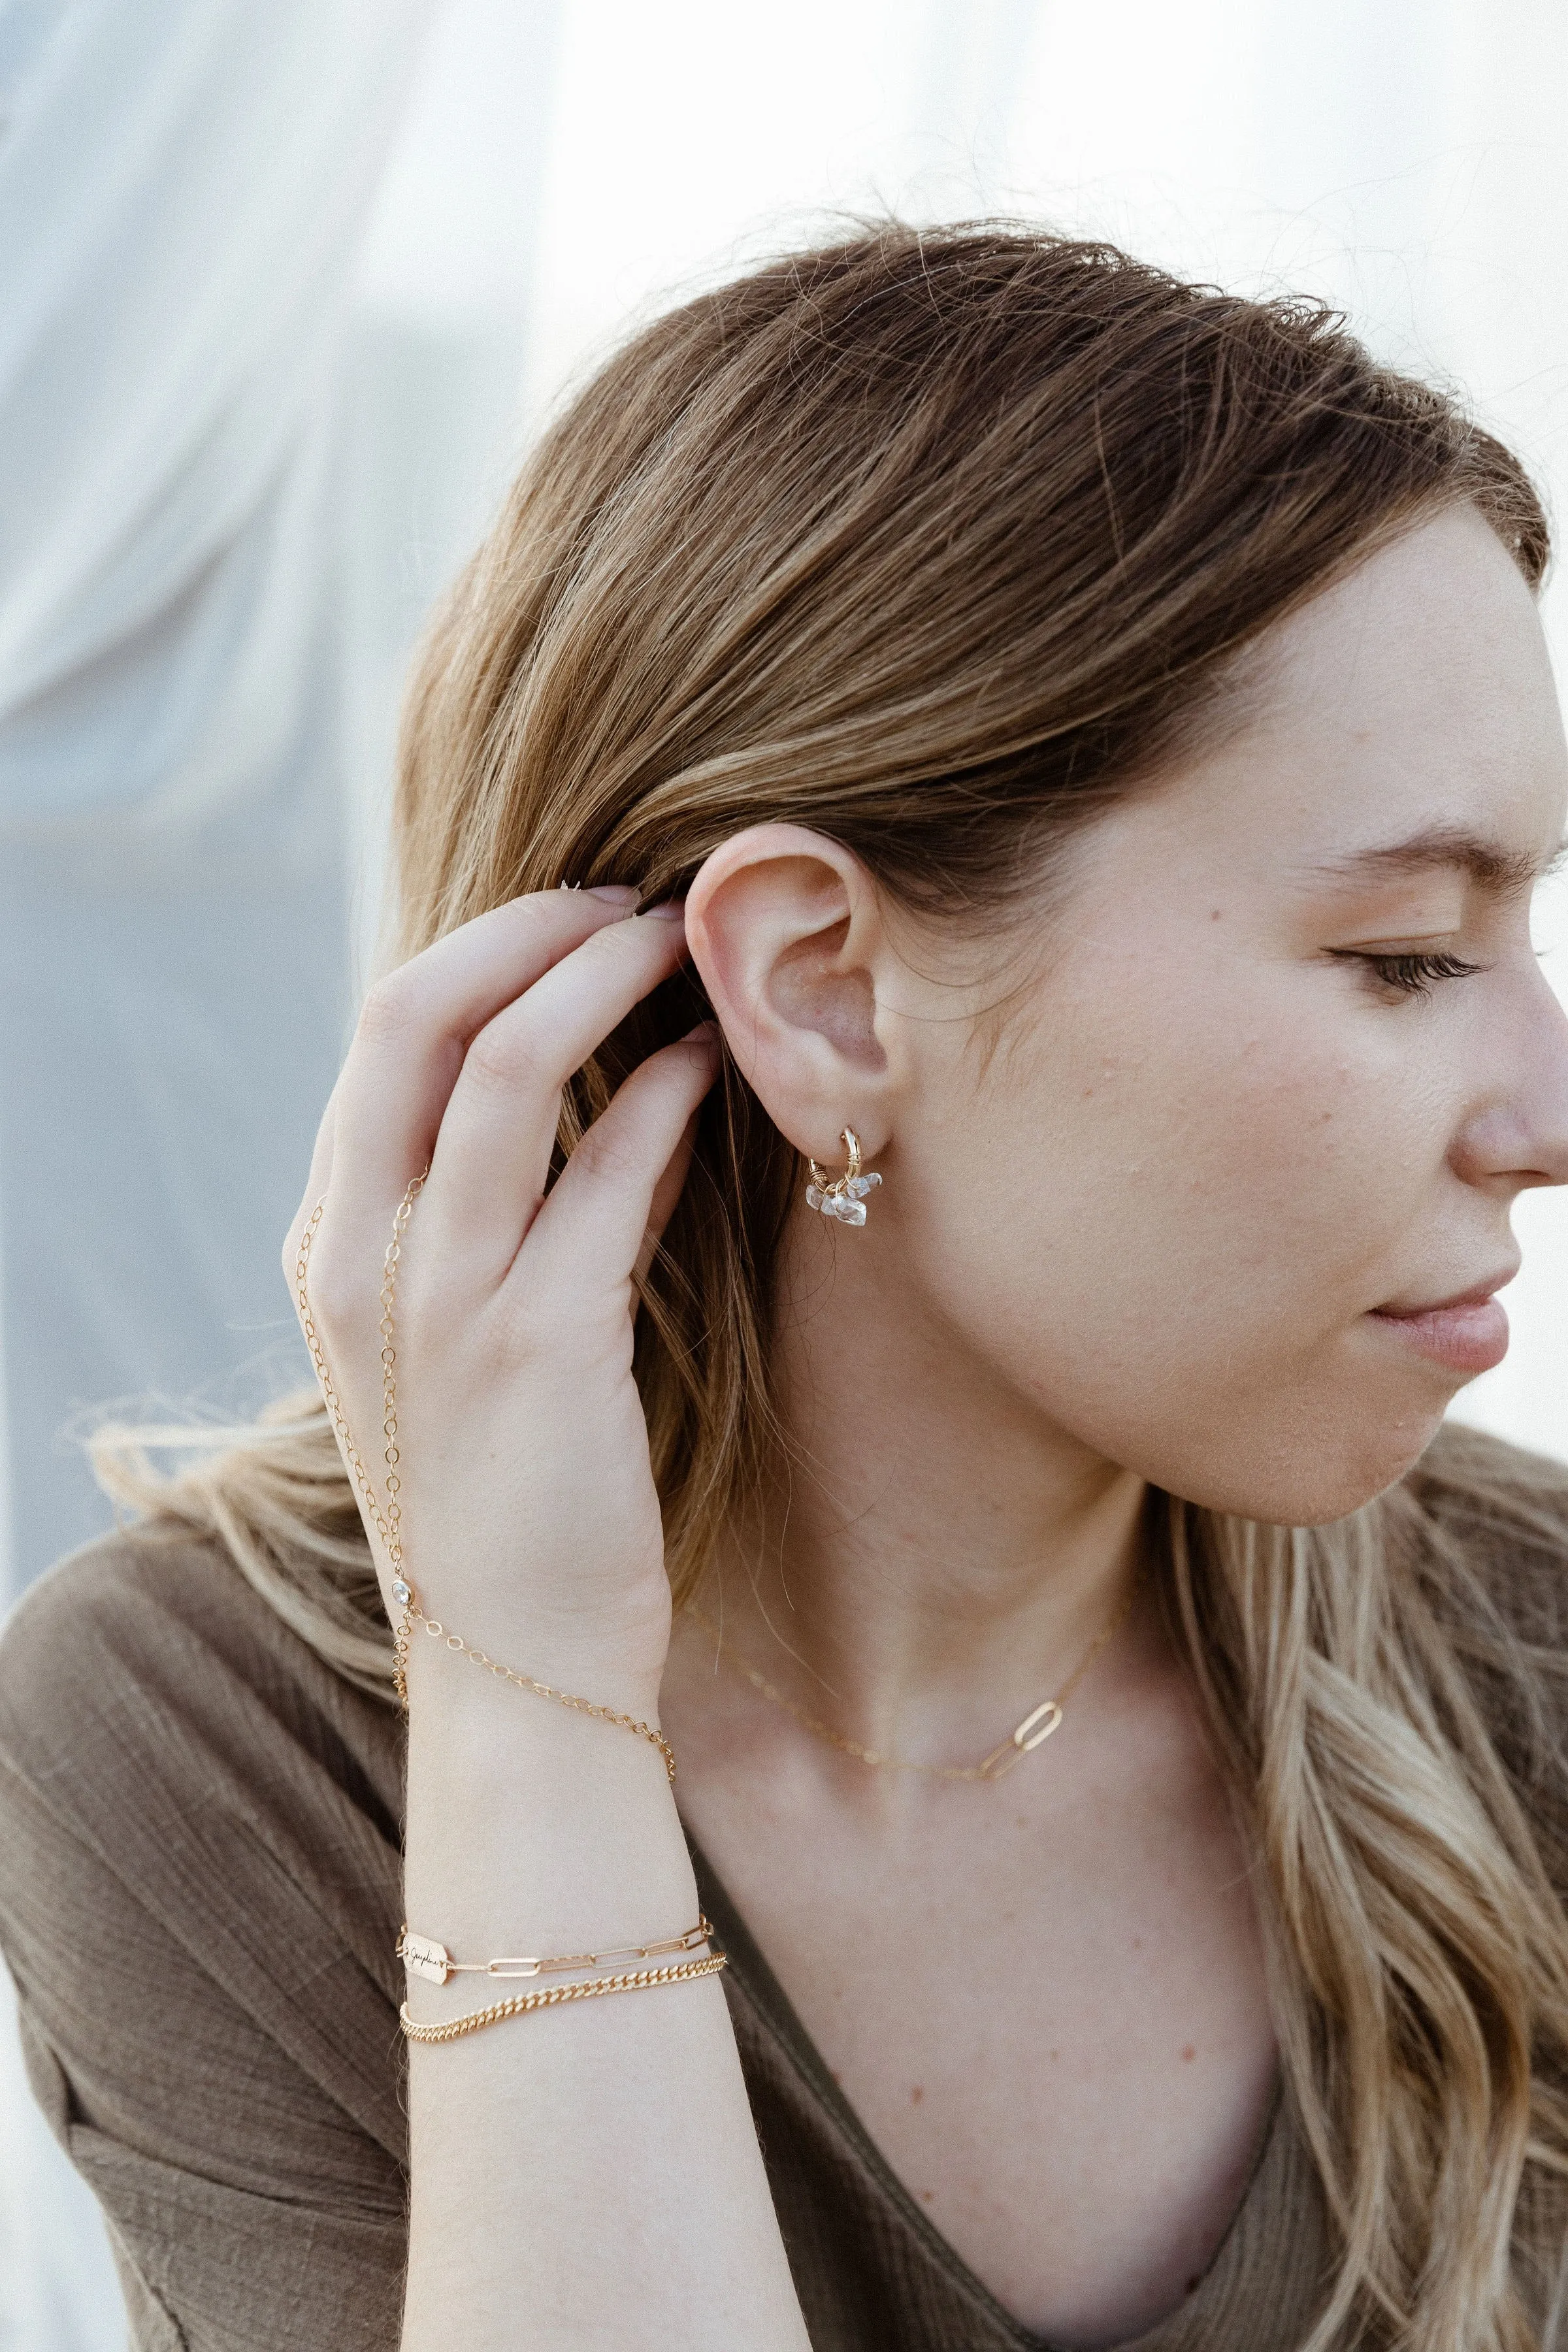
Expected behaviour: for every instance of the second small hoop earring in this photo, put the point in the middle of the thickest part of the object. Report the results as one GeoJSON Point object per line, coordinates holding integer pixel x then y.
{"type": "Point", "coordinates": [842, 1198]}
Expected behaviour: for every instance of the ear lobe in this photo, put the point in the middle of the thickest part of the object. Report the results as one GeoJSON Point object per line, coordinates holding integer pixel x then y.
{"type": "Point", "coordinates": [785, 931]}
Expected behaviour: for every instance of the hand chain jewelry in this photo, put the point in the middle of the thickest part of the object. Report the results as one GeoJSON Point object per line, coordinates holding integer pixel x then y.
{"type": "Point", "coordinates": [1021, 1740]}
{"type": "Point", "coordinates": [388, 1523]}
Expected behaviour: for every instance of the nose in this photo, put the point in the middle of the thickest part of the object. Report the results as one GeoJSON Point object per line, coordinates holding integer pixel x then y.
{"type": "Point", "coordinates": [1517, 1138]}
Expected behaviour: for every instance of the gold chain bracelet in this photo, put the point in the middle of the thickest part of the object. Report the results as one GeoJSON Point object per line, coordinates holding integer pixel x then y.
{"type": "Point", "coordinates": [421, 1956]}
{"type": "Point", "coordinates": [388, 1524]}
{"type": "Point", "coordinates": [552, 1996]}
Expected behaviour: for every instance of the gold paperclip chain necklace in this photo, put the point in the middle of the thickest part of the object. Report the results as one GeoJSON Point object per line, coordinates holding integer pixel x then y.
{"type": "Point", "coordinates": [1032, 1732]}
{"type": "Point", "coordinates": [388, 1523]}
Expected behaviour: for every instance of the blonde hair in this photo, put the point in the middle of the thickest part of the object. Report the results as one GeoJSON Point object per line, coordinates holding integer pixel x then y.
{"type": "Point", "coordinates": [937, 543]}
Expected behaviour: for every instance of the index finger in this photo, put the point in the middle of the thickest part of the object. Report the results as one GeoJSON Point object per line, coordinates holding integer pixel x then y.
{"type": "Point", "coordinates": [416, 1025]}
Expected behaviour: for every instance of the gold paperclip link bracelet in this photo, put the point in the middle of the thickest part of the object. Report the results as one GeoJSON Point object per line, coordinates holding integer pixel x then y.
{"type": "Point", "coordinates": [421, 1956]}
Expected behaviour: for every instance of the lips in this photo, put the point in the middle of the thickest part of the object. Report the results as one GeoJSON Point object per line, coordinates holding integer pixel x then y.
{"type": "Point", "coordinates": [1467, 1332]}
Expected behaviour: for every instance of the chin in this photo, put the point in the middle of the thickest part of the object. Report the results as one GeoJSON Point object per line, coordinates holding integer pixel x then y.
{"type": "Point", "coordinates": [1318, 1473]}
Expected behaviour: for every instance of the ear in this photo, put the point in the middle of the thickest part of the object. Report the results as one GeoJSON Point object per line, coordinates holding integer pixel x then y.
{"type": "Point", "coordinates": [786, 929]}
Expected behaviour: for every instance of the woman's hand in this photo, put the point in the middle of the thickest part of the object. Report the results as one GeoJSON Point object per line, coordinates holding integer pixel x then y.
{"type": "Point", "coordinates": [530, 1521]}
{"type": "Point", "coordinates": [593, 2168]}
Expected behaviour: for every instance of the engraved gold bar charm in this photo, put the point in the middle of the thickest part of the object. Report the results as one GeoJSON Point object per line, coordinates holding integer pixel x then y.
{"type": "Point", "coordinates": [423, 1957]}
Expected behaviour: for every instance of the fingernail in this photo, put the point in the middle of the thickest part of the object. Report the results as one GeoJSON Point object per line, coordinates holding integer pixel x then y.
{"type": "Point", "coordinates": [614, 894]}
{"type": "Point", "coordinates": [668, 910]}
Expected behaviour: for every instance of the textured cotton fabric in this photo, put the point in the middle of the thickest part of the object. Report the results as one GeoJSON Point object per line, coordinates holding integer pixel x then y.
{"type": "Point", "coordinates": [199, 1895]}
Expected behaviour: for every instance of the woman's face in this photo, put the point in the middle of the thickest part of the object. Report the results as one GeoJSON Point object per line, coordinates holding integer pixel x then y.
{"type": "Point", "coordinates": [1286, 1062]}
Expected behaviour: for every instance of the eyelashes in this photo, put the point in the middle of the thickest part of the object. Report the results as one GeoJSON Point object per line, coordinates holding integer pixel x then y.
{"type": "Point", "coordinates": [1409, 975]}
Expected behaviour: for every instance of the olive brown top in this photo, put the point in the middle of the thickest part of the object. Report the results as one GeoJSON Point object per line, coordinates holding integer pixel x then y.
{"type": "Point", "coordinates": [199, 1898]}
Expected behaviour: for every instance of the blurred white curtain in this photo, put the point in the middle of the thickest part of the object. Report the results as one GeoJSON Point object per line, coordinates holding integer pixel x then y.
{"type": "Point", "coordinates": [183, 192]}
{"type": "Point", "coordinates": [184, 188]}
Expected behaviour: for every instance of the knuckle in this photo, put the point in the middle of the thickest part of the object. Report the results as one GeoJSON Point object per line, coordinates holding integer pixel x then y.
{"type": "Point", "coordinates": [387, 1012]}
{"type": "Point", "coordinates": [607, 946]}
{"type": "Point", "coordinates": [503, 1056]}
{"type": "Point", "coordinates": [610, 960]}
{"type": "Point", "coordinates": [608, 1159]}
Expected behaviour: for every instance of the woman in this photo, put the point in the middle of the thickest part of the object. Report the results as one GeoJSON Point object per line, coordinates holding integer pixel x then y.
{"type": "Point", "coordinates": [1084, 745]}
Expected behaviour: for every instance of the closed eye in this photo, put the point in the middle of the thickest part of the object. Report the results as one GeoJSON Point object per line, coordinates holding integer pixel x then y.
{"type": "Point", "coordinates": [1413, 974]}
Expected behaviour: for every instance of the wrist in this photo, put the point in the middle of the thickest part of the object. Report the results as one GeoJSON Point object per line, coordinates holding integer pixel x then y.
{"type": "Point", "coordinates": [452, 1688]}
{"type": "Point", "coordinates": [472, 1731]}
{"type": "Point", "coordinates": [528, 1818]}
{"type": "Point", "coordinates": [452, 1678]}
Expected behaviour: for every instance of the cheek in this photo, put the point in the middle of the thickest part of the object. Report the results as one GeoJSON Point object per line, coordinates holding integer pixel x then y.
{"type": "Point", "coordinates": [1195, 1210]}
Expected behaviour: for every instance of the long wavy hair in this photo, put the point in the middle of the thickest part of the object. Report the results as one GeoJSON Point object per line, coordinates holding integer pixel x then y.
{"type": "Point", "coordinates": [939, 543]}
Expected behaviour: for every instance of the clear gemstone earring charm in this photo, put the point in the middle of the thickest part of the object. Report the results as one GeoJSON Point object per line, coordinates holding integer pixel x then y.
{"type": "Point", "coordinates": [843, 1198]}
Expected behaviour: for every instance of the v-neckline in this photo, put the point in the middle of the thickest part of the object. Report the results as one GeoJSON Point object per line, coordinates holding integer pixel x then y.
{"type": "Point", "coordinates": [777, 2012]}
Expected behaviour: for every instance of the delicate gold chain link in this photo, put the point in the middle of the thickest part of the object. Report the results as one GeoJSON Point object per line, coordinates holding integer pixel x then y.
{"type": "Point", "coordinates": [388, 1520]}
{"type": "Point", "coordinates": [552, 1996]}
{"type": "Point", "coordinates": [424, 1956]}
{"type": "Point", "coordinates": [324, 1375]}
{"type": "Point", "coordinates": [389, 1371]}
{"type": "Point", "coordinates": [1035, 1729]}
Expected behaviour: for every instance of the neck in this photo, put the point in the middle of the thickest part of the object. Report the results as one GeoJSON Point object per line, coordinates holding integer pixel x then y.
{"type": "Point", "coordinates": [933, 1557]}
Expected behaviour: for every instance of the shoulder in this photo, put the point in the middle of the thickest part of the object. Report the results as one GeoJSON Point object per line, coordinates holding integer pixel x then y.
{"type": "Point", "coordinates": [199, 1870]}
{"type": "Point", "coordinates": [149, 1644]}
{"type": "Point", "coordinates": [110, 1611]}
{"type": "Point", "coordinates": [160, 1722]}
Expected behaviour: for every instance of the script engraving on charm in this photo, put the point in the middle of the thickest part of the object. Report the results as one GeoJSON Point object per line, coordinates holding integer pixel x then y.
{"type": "Point", "coordinates": [423, 1957]}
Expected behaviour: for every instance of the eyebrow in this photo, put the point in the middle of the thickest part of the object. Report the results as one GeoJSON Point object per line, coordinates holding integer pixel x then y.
{"type": "Point", "coordinates": [1491, 865]}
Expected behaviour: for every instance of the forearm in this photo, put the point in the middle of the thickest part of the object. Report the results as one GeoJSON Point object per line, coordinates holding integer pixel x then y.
{"type": "Point", "coordinates": [589, 2173]}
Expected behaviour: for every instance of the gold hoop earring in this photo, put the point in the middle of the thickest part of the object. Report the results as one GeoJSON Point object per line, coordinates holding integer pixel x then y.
{"type": "Point", "coordinates": [841, 1197]}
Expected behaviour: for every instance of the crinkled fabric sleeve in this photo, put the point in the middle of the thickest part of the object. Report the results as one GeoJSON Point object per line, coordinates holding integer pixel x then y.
{"type": "Point", "coordinates": [198, 1890]}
